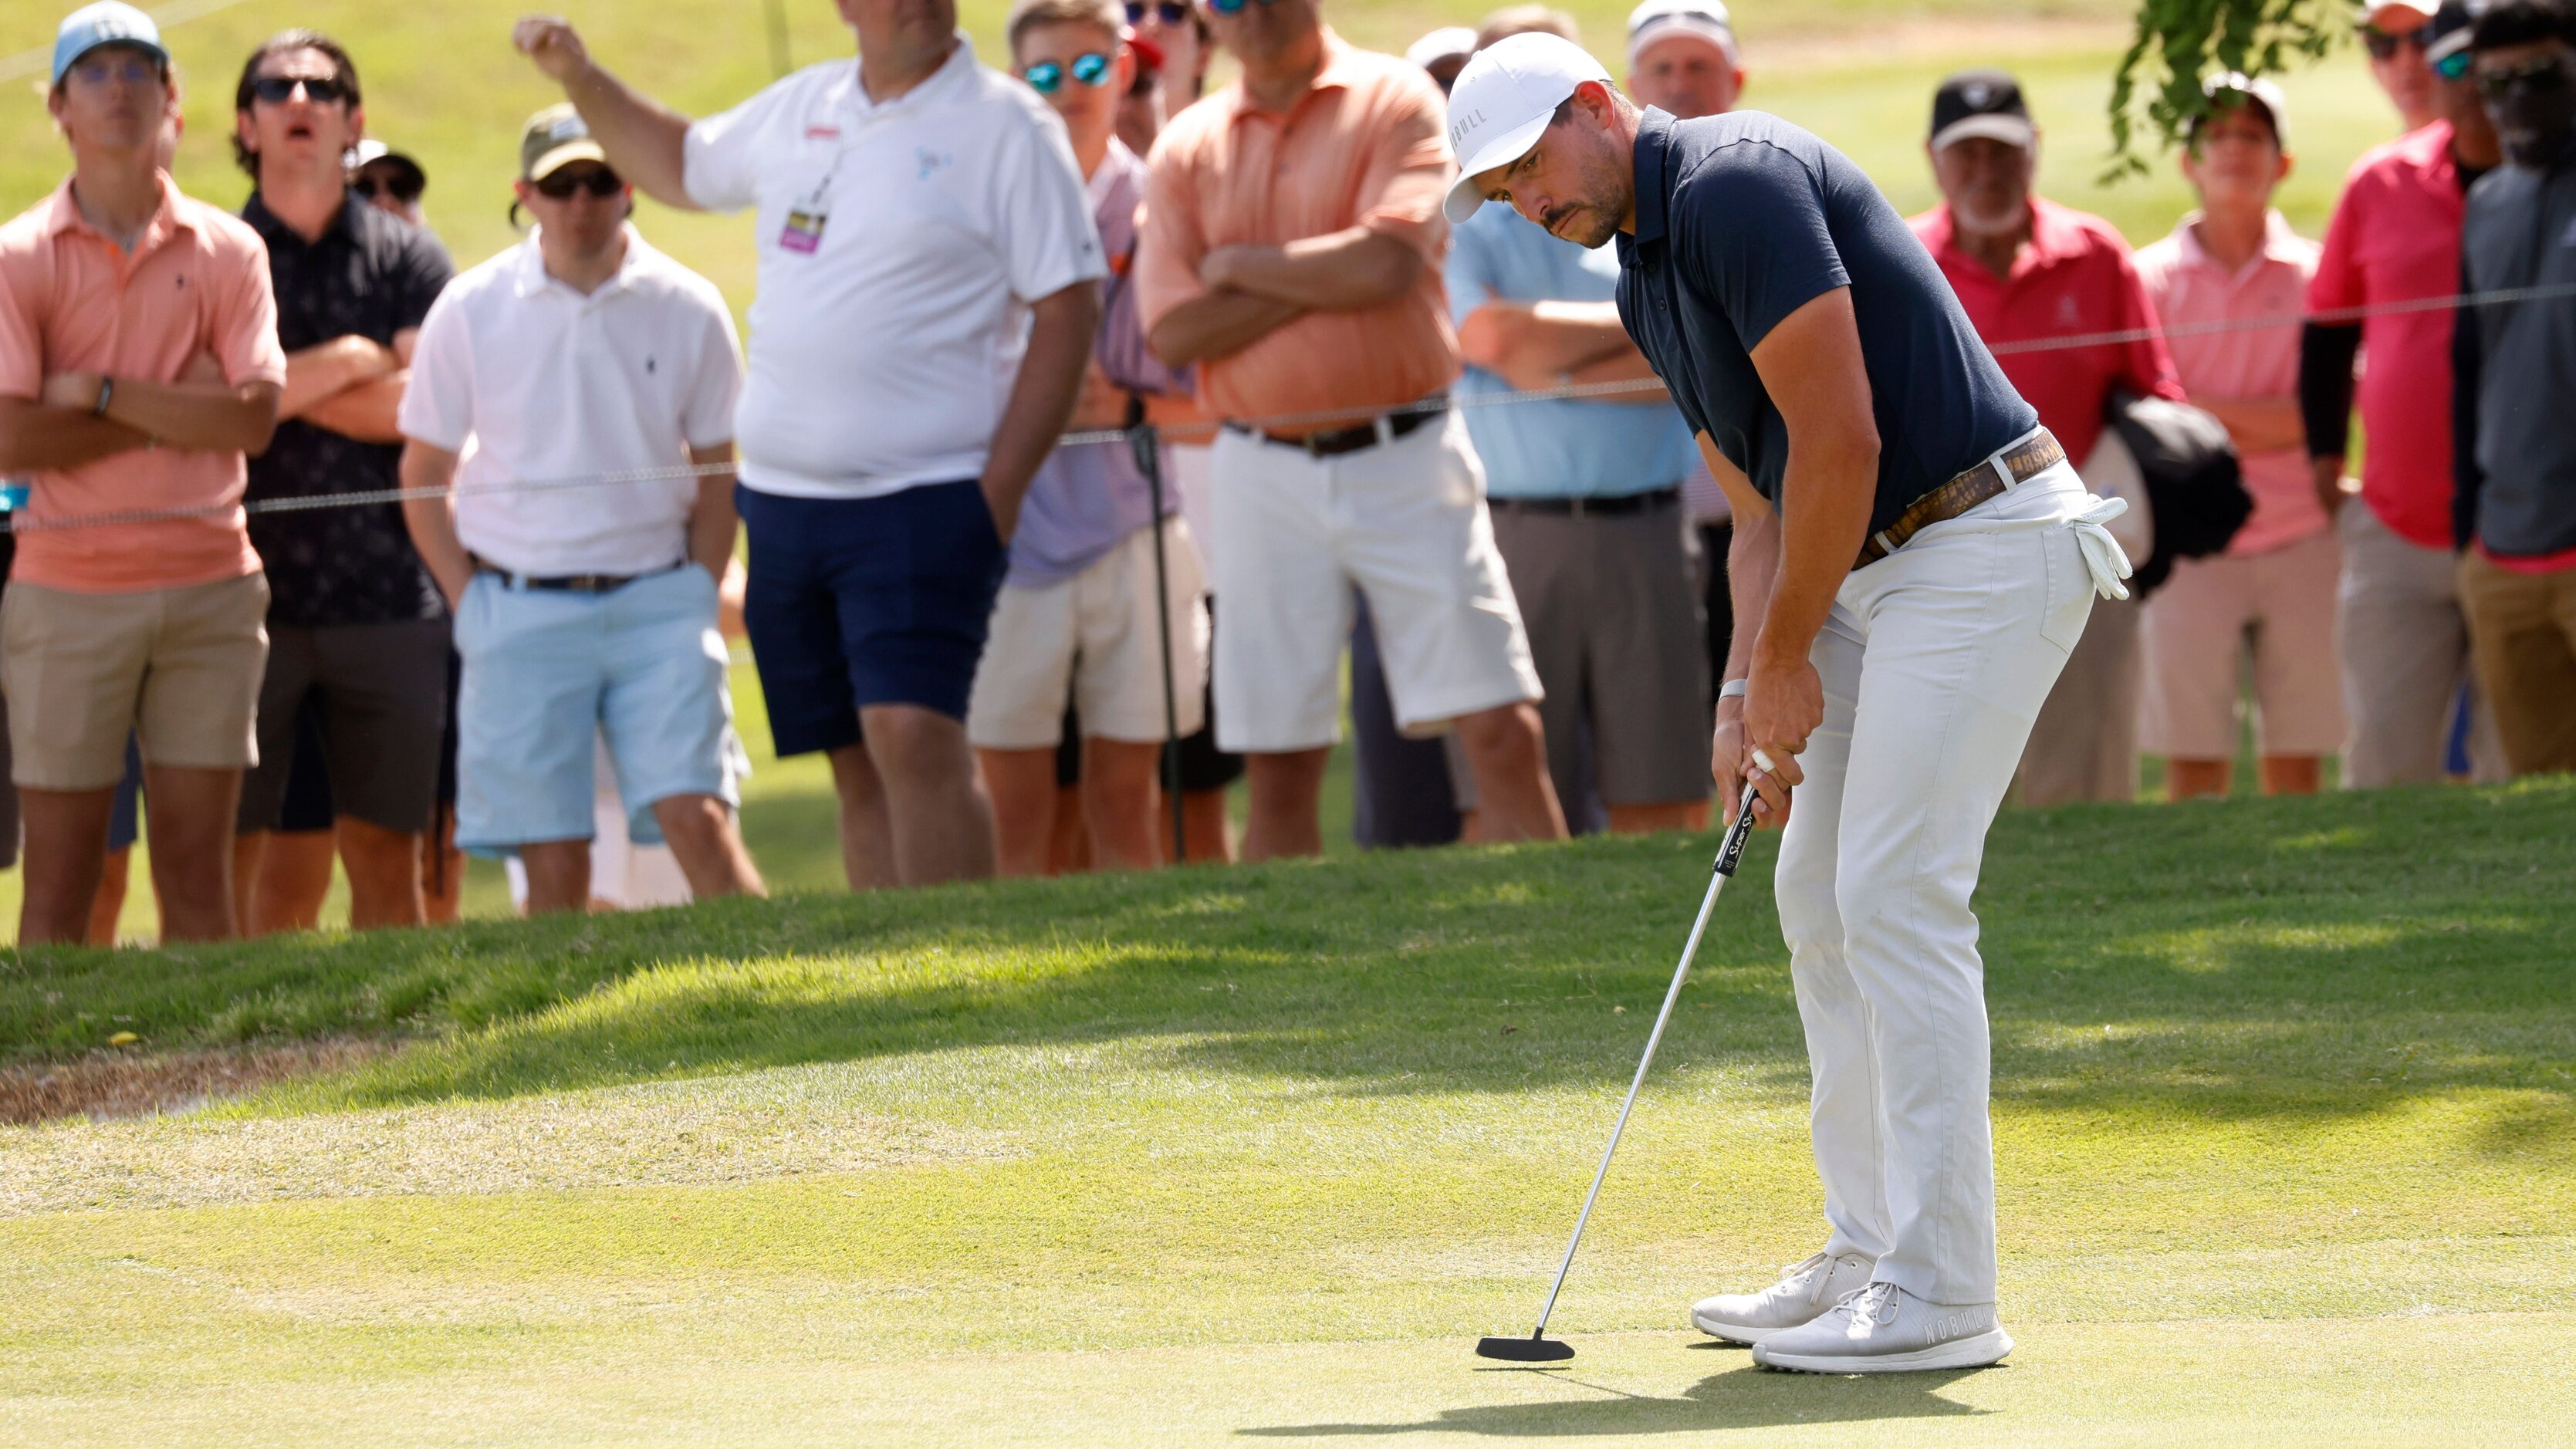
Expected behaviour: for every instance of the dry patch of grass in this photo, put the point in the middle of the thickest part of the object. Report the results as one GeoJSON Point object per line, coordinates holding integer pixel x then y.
{"type": "Point", "coordinates": [659, 1134]}
{"type": "Point", "coordinates": [123, 1082]}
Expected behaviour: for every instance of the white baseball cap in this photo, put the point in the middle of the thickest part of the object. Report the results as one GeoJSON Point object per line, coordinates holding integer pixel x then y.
{"type": "Point", "coordinates": [1656, 21]}
{"type": "Point", "coordinates": [1503, 101]}
{"type": "Point", "coordinates": [2254, 90]}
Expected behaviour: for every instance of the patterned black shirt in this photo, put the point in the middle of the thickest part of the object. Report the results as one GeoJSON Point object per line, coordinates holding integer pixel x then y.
{"type": "Point", "coordinates": [372, 274]}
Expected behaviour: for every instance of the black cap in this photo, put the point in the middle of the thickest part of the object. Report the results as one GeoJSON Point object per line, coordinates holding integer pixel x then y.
{"type": "Point", "coordinates": [1981, 103]}
{"type": "Point", "coordinates": [2447, 31]}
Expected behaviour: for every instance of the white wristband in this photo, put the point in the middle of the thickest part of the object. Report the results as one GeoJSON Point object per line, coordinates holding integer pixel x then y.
{"type": "Point", "coordinates": [1734, 688]}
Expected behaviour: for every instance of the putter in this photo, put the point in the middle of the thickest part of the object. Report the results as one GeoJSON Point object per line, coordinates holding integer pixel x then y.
{"type": "Point", "coordinates": [1147, 444]}
{"type": "Point", "coordinates": [1538, 1347]}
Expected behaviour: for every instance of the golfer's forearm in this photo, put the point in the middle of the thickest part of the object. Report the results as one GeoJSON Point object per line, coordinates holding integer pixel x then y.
{"type": "Point", "coordinates": [646, 141]}
{"type": "Point", "coordinates": [1824, 517]}
{"type": "Point", "coordinates": [1752, 568]}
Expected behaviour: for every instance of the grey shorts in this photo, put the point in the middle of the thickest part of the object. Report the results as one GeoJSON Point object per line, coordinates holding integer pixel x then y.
{"type": "Point", "coordinates": [1616, 631]}
{"type": "Point", "coordinates": [380, 697]}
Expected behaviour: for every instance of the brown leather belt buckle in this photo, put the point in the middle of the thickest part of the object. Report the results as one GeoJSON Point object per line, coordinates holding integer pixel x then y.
{"type": "Point", "coordinates": [2025, 462]}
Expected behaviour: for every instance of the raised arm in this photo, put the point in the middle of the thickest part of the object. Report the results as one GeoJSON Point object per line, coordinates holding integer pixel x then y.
{"type": "Point", "coordinates": [646, 141]}
{"type": "Point", "coordinates": [1811, 365]}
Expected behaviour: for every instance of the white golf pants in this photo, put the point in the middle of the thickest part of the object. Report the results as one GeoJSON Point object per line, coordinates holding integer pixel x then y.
{"type": "Point", "coordinates": [1935, 661]}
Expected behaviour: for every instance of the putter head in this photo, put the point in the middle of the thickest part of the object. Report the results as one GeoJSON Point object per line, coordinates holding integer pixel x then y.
{"type": "Point", "coordinates": [1524, 1350]}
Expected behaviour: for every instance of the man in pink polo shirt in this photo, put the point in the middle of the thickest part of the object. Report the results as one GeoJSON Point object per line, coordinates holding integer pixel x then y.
{"type": "Point", "coordinates": [139, 362]}
{"type": "Point", "coordinates": [2227, 269]}
{"type": "Point", "coordinates": [2395, 237]}
{"type": "Point", "coordinates": [2031, 271]}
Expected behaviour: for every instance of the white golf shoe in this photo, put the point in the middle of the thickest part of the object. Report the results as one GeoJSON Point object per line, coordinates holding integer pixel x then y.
{"type": "Point", "coordinates": [1884, 1329]}
{"type": "Point", "coordinates": [1805, 1291]}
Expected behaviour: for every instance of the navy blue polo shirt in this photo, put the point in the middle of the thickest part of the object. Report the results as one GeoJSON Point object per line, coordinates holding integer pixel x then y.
{"type": "Point", "coordinates": [1741, 220]}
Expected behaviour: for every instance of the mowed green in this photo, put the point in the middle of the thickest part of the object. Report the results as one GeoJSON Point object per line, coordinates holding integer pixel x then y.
{"type": "Point", "coordinates": [2285, 1100]}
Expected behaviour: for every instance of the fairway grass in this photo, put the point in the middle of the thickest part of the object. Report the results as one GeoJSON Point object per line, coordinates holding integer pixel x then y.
{"type": "Point", "coordinates": [2285, 1118]}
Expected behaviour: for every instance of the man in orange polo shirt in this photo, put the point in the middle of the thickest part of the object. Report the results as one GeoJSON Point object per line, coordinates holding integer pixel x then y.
{"type": "Point", "coordinates": [2030, 271]}
{"type": "Point", "coordinates": [1291, 250]}
{"type": "Point", "coordinates": [139, 362]}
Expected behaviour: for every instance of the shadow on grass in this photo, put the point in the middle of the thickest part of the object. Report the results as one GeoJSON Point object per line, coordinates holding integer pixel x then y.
{"type": "Point", "coordinates": [1744, 1398]}
{"type": "Point", "coordinates": [2277, 958]}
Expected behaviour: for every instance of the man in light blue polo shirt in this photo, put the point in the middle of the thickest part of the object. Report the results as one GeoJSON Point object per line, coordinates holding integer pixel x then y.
{"type": "Point", "coordinates": [1586, 501]}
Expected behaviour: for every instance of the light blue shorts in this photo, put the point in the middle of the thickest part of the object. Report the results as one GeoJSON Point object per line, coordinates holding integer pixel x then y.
{"type": "Point", "coordinates": [547, 672]}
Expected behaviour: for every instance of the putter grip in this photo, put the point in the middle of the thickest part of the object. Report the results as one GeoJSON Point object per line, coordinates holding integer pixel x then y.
{"type": "Point", "coordinates": [1731, 851]}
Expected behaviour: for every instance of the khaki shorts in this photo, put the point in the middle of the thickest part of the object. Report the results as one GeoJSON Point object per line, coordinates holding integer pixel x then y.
{"type": "Point", "coordinates": [2280, 607]}
{"type": "Point", "coordinates": [179, 667]}
{"type": "Point", "coordinates": [1094, 635]}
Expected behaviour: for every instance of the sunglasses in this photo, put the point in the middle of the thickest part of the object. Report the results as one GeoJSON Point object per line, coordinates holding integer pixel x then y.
{"type": "Point", "coordinates": [401, 188]}
{"type": "Point", "coordinates": [279, 89]}
{"type": "Point", "coordinates": [1233, 7]}
{"type": "Point", "coordinates": [1047, 77]}
{"type": "Point", "coordinates": [1170, 12]}
{"type": "Point", "coordinates": [2540, 78]}
{"type": "Point", "coordinates": [599, 181]}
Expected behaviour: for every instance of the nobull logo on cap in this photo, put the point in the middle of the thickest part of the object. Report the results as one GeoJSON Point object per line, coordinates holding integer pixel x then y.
{"type": "Point", "coordinates": [1460, 123]}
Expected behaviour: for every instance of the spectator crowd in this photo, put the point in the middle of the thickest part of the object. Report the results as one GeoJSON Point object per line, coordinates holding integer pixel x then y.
{"type": "Point", "coordinates": [327, 551]}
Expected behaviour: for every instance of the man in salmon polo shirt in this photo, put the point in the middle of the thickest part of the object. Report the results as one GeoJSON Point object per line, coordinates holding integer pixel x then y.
{"type": "Point", "coordinates": [2225, 284]}
{"type": "Point", "coordinates": [139, 362]}
{"type": "Point", "coordinates": [1291, 251]}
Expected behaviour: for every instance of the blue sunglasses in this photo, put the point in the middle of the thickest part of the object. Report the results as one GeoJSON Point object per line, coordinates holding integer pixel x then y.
{"type": "Point", "coordinates": [1232, 7]}
{"type": "Point", "coordinates": [1046, 76]}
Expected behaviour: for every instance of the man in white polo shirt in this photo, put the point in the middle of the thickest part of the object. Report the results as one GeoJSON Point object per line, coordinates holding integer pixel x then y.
{"type": "Point", "coordinates": [581, 612]}
{"type": "Point", "coordinates": [926, 306]}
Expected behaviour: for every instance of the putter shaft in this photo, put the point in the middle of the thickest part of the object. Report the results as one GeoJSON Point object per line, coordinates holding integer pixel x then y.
{"type": "Point", "coordinates": [1728, 853]}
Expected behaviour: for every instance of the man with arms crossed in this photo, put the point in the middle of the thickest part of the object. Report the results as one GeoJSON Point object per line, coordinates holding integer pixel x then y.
{"type": "Point", "coordinates": [1292, 252]}
{"type": "Point", "coordinates": [138, 364]}
{"type": "Point", "coordinates": [1912, 562]}
{"type": "Point", "coordinates": [582, 611]}
{"type": "Point", "coordinates": [356, 631]}
{"type": "Point", "coordinates": [926, 306]}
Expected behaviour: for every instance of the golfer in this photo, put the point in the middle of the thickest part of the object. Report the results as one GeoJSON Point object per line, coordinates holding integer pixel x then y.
{"type": "Point", "coordinates": [1912, 561]}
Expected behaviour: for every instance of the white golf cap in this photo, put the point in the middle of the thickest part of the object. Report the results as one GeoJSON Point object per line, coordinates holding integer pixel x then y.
{"type": "Point", "coordinates": [1441, 44]}
{"type": "Point", "coordinates": [1657, 21]}
{"type": "Point", "coordinates": [1502, 102]}
{"type": "Point", "coordinates": [2253, 90]}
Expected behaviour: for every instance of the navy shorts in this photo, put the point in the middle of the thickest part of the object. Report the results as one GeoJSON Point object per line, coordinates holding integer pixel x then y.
{"type": "Point", "coordinates": [853, 602]}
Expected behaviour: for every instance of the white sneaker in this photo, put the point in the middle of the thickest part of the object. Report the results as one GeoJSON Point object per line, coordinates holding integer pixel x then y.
{"type": "Point", "coordinates": [1805, 1291]}
{"type": "Point", "coordinates": [1884, 1329]}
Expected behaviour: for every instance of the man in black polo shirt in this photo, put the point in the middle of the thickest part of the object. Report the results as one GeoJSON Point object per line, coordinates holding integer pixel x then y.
{"type": "Point", "coordinates": [354, 621]}
{"type": "Point", "coordinates": [1912, 561]}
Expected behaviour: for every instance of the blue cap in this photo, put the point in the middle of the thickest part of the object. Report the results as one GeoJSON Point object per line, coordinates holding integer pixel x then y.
{"type": "Point", "coordinates": [109, 22]}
